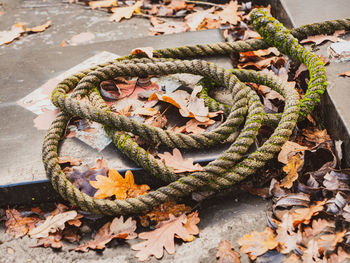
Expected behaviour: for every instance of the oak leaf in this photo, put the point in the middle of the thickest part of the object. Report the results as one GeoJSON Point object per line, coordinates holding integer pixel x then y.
{"type": "Point", "coordinates": [194, 20]}
{"type": "Point", "coordinates": [16, 31]}
{"type": "Point", "coordinates": [341, 256]}
{"type": "Point", "coordinates": [226, 253]}
{"type": "Point", "coordinates": [317, 136]}
{"type": "Point", "coordinates": [148, 51]}
{"type": "Point", "coordinates": [178, 163]}
{"type": "Point", "coordinates": [146, 111]}
{"type": "Point", "coordinates": [230, 13]}
{"type": "Point", "coordinates": [303, 215]}
{"type": "Point", "coordinates": [318, 226]}
{"type": "Point", "coordinates": [125, 12]}
{"type": "Point", "coordinates": [52, 240]}
{"type": "Point", "coordinates": [111, 230]}
{"type": "Point", "coordinates": [330, 241]}
{"type": "Point", "coordinates": [118, 186]}
{"type": "Point", "coordinates": [162, 237]}
{"type": "Point", "coordinates": [291, 169]}
{"type": "Point", "coordinates": [318, 39]}
{"type": "Point", "coordinates": [287, 239]}
{"type": "Point", "coordinates": [163, 212]}
{"type": "Point", "coordinates": [52, 224]}
{"type": "Point", "coordinates": [102, 3]}
{"type": "Point", "coordinates": [257, 243]}
{"type": "Point", "coordinates": [345, 74]}
{"type": "Point", "coordinates": [18, 226]}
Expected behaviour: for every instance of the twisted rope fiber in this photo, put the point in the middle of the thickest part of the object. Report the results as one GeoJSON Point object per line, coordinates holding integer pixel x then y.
{"type": "Point", "coordinates": [230, 168]}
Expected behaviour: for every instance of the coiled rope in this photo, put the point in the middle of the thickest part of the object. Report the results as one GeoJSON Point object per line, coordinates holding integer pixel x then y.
{"type": "Point", "coordinates": [247, 110]}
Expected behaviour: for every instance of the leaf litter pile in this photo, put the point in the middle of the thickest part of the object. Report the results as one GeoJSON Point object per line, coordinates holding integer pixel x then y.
{"type": "Point", "coordinates": [308, 218]}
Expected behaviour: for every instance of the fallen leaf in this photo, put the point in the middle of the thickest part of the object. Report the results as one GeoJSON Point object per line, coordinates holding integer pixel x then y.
{"type": "Point", "coordinates": [176, 5]}
{"type": "Point", "coordinates": [345, 74]}
{"type": "Point", "coordinates": [194, 126]}
{"type": "Point", "coordinates": [52, 224]}
{"type": "Point", "coordinates": [329, 242]}
{"type": "Point", "coordinates": [191, 223]}
{"type": "Point", "coordinates": [293, 199]}
{"type": "Point", "coordinates": [39, 28]}
{"type": "Point", "coordinates": [230, 13]}
{"type": "Point", "coordinates": [6, 37]}
{"type": "Point", "coordinates": [162, 237]}
{"type": "Point", "coordinates": [162, 212]}
{"type": "Point", "coordinates": [71, 235]}
{"type": "Point", "coordinates": [168, 28]}
{"type": "Point", "coordinates": [148, 51]}
{"type": "Point", "coordinates": [291, 169]}
{"type": "Point", "coordinates": [125, 12]}
{"type": "Point", "coordinates": [178, 163]}
{"type": "Point", "coordinates": [81, 177]}
{"type": "Point", "coordinates": [111, 230]}
{"type": "Point", "coordinates": [195, 19]}
{"type": "Point", "coordinates": [226, 253]}
{"type": "Point", "coordinates": [340, 256]}
{"type": "Point", "coordinates": [287, 239]}
{"type": "Point", "coordinates": [316, 136]}
{"type": "Point", "coordinates": [132, 88]}
{"type": "Point", "coordinates": [318, 226]}
{"type": "Point", "coordinates": [260, 52]}
{"type": "Point", "coordinates": [69, 160]}
{"type": "Point", "coordinates": [52, 240]}
{"type": "Point", "coordinates": [257, 243]}
{"type": "Point", "coordinates": [311, 254]}
{"type": "Point", "coordinates": [118, 186]}
{"type": "Point", "coordinates": [303, 215]}
{"type": "Point", "coordinates": [157, 120]}
{"type": "Point", "coordinates": [10, 251]}
{"type": "Point", "coordinates": [103, 3]}
{"type": "Point", "coordinates": [251, 34]}
{"type": "Point", "coordinates": [288, 150]}
{"type": "Point", "coordinates": [146, 111]}
{"type": "Point", "coordinates": [318, 39]}
{"type": "Point", "coordinates": [18, 226]}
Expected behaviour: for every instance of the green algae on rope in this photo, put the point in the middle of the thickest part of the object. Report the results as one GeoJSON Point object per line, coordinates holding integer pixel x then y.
{"type": "Point", "coordinates": [246, 110]}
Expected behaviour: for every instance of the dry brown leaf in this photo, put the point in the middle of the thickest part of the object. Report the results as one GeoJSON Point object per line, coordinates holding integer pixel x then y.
{"type": "Point", "coordinates": [178, 163]}
{"type": "Point", "coordinates": [318, 226]}
{"type": "Point", "coordinates": [191, 223]}
{"type": "Point", "coordinates": [125, 12]}
{"type": "Point", "coordinates": [303, 215]}
{"type": "Point", "coordinates": [195, 19]}
{"type": "Point", "coordinates": [148, 51]}
{"type": "Point", "coordinates": [260, 53]}
{"type": "Point", "coordinates": [162, 237]}
{"type": "Point", "coordinates": [251, 34]}
{"type": "Point", "coordinates": [176, 5]}
{"type": "Point", "coordinates": [230, 13]}
{"type": "Point", "coordinates": [163, 211]}
{"type": "Point", "coordinates": [226, 253]}
{"type": "Point", "coordinates": [71, 234]}
{"type": "Point", "coordinates": [345, 74]}
{"type": "Point", "coordinates": [257, 243]}
{"type": "Point", "coordinates": [39, 28]}
{"type": "Point", "coordinates": [18, 226]}
{"type": "Point", "coordinates": [287, 239]}
{"type": "Point", "coordinates": [194, 126]}
{"type": "Point", "coordinates": [168, 28]}
{"type": "Point", "coordinates": [311, 254]}
{"type": "Point", "coordinates": [341, 256]}
{"type": "Point", "coordinates": [69, 160]}
{"type": "Point", "coordinates": [288, 150]}
{"type": "Point", "coordinates": [317, 136]}
{"type": "Point", "coordinates": [291, 169]}
{"type": "Point", "coordinates": [157, 120]}
{"type": "Point", "coordinates": [329, 242]}
{"type": "Point", "coordinates": [6, 37]}
{"type": "Point", "coordinates": [115, 229]}
{"type": "Point", "coordinates": [52, 224]}
{"type": "Point", "coordinates": [118, 186]}
{"type": "Point", "coordinates": [103, 3]}
{"type": "Point", "coordinates": [52, 240]}
{"type": "Point", "coordinates": [318, 39]}
{"type": "Point", "coordinates": [146, 111]}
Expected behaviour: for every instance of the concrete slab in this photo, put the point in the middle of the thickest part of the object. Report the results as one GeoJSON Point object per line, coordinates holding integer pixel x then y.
{"type": "Point", "coordinates": [27, 69]}
{"type": "Point", "coordinates": [335, 104]}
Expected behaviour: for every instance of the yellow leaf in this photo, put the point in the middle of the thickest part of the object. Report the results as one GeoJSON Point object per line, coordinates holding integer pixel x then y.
{"type": "Point", "coordinates": [291, 169]}
{"type": "Point", "coordinates": [115, 184]}
{"type": "Point", "coordinates": [125, 12]}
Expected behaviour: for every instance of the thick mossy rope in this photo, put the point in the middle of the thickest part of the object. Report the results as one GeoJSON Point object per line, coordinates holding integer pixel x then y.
{"type": "Point", "coordinates": [246, 110]}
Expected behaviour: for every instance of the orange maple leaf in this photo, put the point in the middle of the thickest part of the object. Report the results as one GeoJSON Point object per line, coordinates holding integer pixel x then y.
{"type": "Point", "coordinates": [115, 184]}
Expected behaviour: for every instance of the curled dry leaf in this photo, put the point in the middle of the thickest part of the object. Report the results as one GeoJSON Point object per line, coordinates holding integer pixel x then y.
{"type": "Point", "coordinates": [148, 51]}
{"type": "Point", "coordinates": [303, 215]}
{"type": "Point", "coordinates": [52, 224]}
{"type": "Point", "coordinates": [318, 39]}
{"type": "Point", "coordinates": [39, 28]}
{"type": "Point", "coordinates": [52, 240]}
{"type": "Point", "coordinates": [316, 136]}
{"type": "Point", "coordinates": [18, 226]}
{"type": "Point", "coordinates": [116, 185]}
{"type": "Point", "coordinates": [125, 12]}
{"type": "Point", "coordinates": [345, 74]}
{"type": "Point", "coordinates": [163, 211]}
{"type": "Point", "coordinates": [330, 241]}
{"type": "Point", "coordinates": [318, 226]}
{"type": "Point", "coordinates": [287, 239]}
{"type": "Point", "coordinates": [291, 169]}
{"type": "Point", "coordinates": [163, 237]}
{"type": "Point", "coordinates": [288, 150]}
{"type": "Point", "coordinates": [178, 163]}
{"type": "Point", "coordinates": [226, 253]}
{"type": "Point", "coordinates": [115, 229]}
{"type": "Point", "coordinates": [257, 243]}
